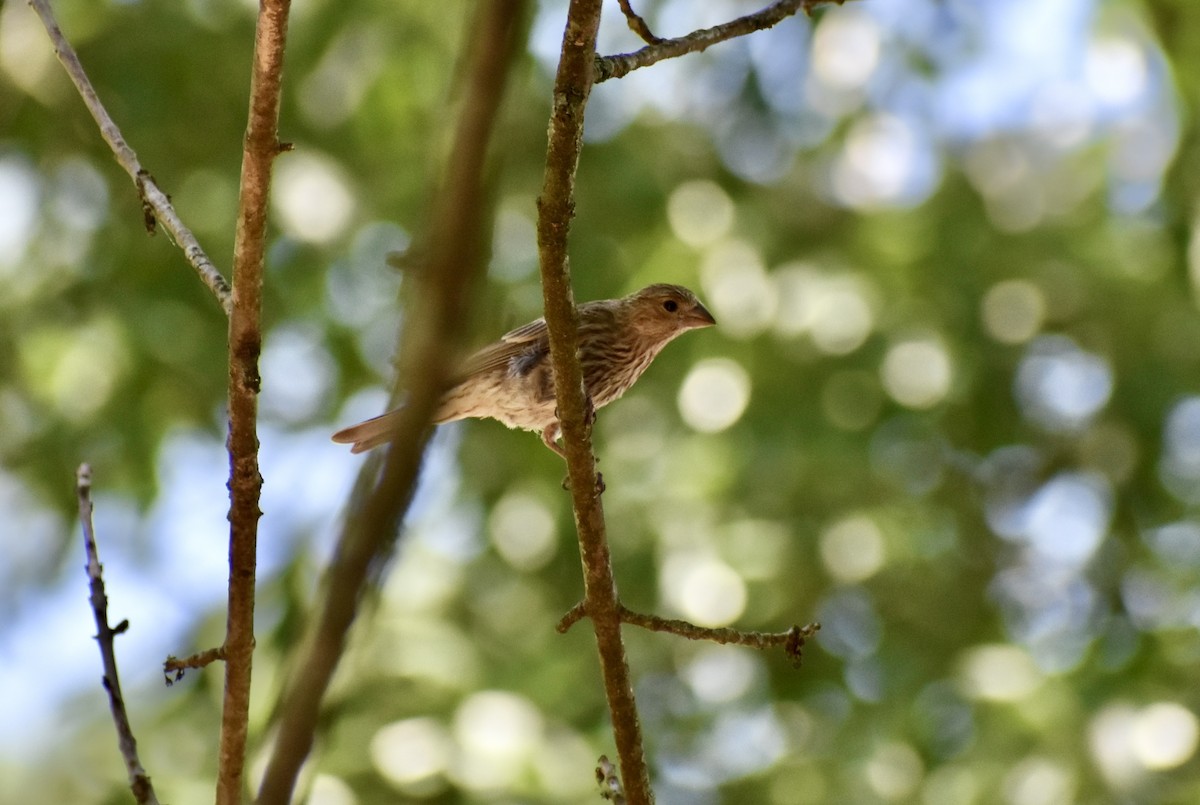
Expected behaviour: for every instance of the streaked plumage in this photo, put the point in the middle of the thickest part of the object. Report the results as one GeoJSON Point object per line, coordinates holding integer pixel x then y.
{"type": "Point", "coordinates": [512, 380]}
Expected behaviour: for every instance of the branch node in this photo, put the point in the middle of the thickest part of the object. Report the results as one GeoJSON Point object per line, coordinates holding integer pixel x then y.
{"type": "Point", "coordinates": [609, 781]}
{"type": "Point", "coordinates": [574, 615]}
{"type": "Point", "coordinates": [175, 667]}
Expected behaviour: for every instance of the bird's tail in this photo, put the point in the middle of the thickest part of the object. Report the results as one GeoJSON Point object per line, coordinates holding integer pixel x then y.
{"type": "Point", "coordinates": [372, 433]}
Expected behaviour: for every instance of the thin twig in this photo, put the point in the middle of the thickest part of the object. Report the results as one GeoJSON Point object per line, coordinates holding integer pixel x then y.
{"type": "Point", "coordinates": [620, 65]}
{"type": "Point", "coordinates": [260, 149]}
{"type": "Point", "coordinates": [792, 640]}
{"type": "Point", "coordinates": [155, 203]}
{"type": "Point", "coordinates": [139, 781]}
{"type": "Point", "coordinates": [174, 667]}
{"type": "Point", "coordinates": [556, 206]}
{"type": "Point", "coordinates": [440, 289]}
{"type": "Point", "coordinates": [637, 24]}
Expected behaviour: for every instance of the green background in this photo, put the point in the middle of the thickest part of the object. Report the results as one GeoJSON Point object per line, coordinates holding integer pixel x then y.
{"type": "Point", "coordinates": [950, 409]}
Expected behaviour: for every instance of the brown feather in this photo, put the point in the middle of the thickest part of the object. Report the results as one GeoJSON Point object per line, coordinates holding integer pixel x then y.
{"type": "Point", "coordinates": [512, 379]}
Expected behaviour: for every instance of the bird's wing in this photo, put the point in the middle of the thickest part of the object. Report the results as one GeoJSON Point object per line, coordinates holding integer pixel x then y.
{"type": "Point", "coordinates": [532, 337]}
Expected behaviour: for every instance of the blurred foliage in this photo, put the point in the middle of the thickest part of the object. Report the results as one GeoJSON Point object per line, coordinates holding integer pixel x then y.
{"type": "Point", "coordinates": [951, 411]}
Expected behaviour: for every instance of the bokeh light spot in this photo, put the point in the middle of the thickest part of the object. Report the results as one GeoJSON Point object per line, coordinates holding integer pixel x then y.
{"type": "Point", "coordinates": [1013, 311]}
{"type": "Point", "coordinates": [845, 49]}
{"type": "Point", "coordinates": [836, 310]}
{"type": "Point", "coordinates": [1060, 386]}
{"type": "Point", "coordinates": [894, 771]}
{"type": "Point", "coordinates": [20, 192]}
{"type": "Point", "coordinates": [497, 731]}
{"type": "Point", "coordinates": [735, 283]}
{"type": "Point", "coordinates": [917, 373]}
{"type": "Point", "coordinates": [852, 548]}
{"type": "Point", "coordinates": [329, 790]}
{"type": "Point", "coordinates": [704, 589]}
{"type": "Point", "coordinates": [1038, 780]}
{"type": "Point", "coordinates": [721, 674]}
{"type": "Point", "coordinates": [700, 213]}
{"type": "Point", "coordinates": [714, 395]}
{"type": "Point", "coordinates": [1002, 673]}
{"type": "Point", "coordinates": [411, 751]}
{"type": "Point", "coordinates": [522, 530]}
{"type": "Point", "coordinates": [1115, 70]}
{"type": "Point", "coordinates": [1165, 735]}
{"type": "Point", "coordinates": [312, 197]}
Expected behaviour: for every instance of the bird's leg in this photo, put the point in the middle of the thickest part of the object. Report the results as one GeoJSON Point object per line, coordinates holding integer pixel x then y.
{"type": "Point", "coordinates": [550, 439]}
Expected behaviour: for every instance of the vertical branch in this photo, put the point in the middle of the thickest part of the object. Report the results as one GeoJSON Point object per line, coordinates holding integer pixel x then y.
{"type": "Point", "coordinates": [556, 206]}
{"type": "Point", "coordinates": [438, 293]}
{"type": "Point", "coordinates": [139, 781]}
{"type": "Point", "coordinates": [245, 343]}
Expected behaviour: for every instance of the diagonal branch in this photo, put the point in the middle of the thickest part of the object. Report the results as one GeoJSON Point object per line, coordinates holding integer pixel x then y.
{"type": "Point", "coordinates": [621, 65]}
{"type": "Point", "coordinates": [438, 292]}
{"type": "Point", "coordinates": [155, 203]}
{"type": "Point", "coordinates": [245, 344]}
{"type": "Point", "coordinates": [556, 206]}
{"type": "Point", "coordinates": [139, 781]}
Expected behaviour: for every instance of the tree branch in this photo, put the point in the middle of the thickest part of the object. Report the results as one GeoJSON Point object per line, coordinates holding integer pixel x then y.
{"type": "Point", "coordinates": [155, 203]}
{"type": "Point", "coordinates": [792, 640]}
{"type": "Point", "coordinates": [245, 344]}
{"type": "Point", "coordinates": [173, 667]}
{"type": "Point", "coordinates": [637, 24]}
{"type": "Point", "coordinates": [620, 65]}
{"type": "Point", "coordinates": [438, 292]}
{"type": "Point", "coordinates": [139, 781]}
{"type": "Point", "coordinates": [556, 207]}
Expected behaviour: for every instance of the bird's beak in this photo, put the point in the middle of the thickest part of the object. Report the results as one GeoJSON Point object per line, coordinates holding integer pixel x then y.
{"type": "Point", "coordinates": [700, 317]}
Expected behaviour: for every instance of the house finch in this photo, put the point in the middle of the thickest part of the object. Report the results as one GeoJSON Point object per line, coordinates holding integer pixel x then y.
{"type": "Point", "coordinates": [512, 380]}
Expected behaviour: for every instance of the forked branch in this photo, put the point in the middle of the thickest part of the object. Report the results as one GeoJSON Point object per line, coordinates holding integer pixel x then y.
{"type": "Point", "coordinates": [622, 64]}
{"type": "Point", "coordinates": [556, 207]}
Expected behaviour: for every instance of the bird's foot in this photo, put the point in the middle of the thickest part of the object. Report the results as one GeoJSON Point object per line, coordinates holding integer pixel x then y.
{"type": "Point", "coordinates": [601, 487]}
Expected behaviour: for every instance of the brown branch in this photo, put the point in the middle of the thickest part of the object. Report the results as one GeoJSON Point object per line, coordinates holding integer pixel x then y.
{"type": "Point", "coordinates": [260, 148]}
{"type": "Point", "coordinates": [139, 781]}
{"type": "Point", "coordinates": [637, 24]}
{"type": "Point", "coordinates": [620, 65]}
{"type": "Point", "coordinates": [155, 203]}
{"type": "Point", "coordinates": [173, 667]}
{"type": "Point", "coordinates": [556, 206]}
{"type": "Point", "coordinates": [438, 292]}
{"type": "Point", "coordinates": [792, 640]}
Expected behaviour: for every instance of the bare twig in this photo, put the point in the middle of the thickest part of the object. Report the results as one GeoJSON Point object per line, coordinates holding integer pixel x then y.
{"type": "Point", "coordinates": [792, 640]}
{"type": "Point", "coordinates": [637, 24]}
{"type": "Point", "coordinates": [174, 667]}
{"type": "Point", "coordinates": [139, 781]}
{"type": "Point", "coordinates": [155, 203]}
{"type": "Point", "coordinates": [245, 344]}
{"type": "Point", "coordinates": [556, 206]}
{"type": "Point", "coordinates": [620, 65]}
{"type": "Point", "coordinates": [439, 290]}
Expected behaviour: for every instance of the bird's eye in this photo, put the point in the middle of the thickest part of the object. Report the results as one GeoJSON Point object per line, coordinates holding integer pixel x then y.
{"type": "Point", "coordinates": [670, 306]}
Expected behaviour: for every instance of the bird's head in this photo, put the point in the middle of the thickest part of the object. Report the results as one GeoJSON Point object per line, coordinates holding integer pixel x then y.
{"type": "Point", "coordinates": [665, 311]}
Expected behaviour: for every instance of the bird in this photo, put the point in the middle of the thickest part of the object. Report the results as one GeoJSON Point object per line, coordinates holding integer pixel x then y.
{"type": "Point", "coordinates": [512, 380]}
